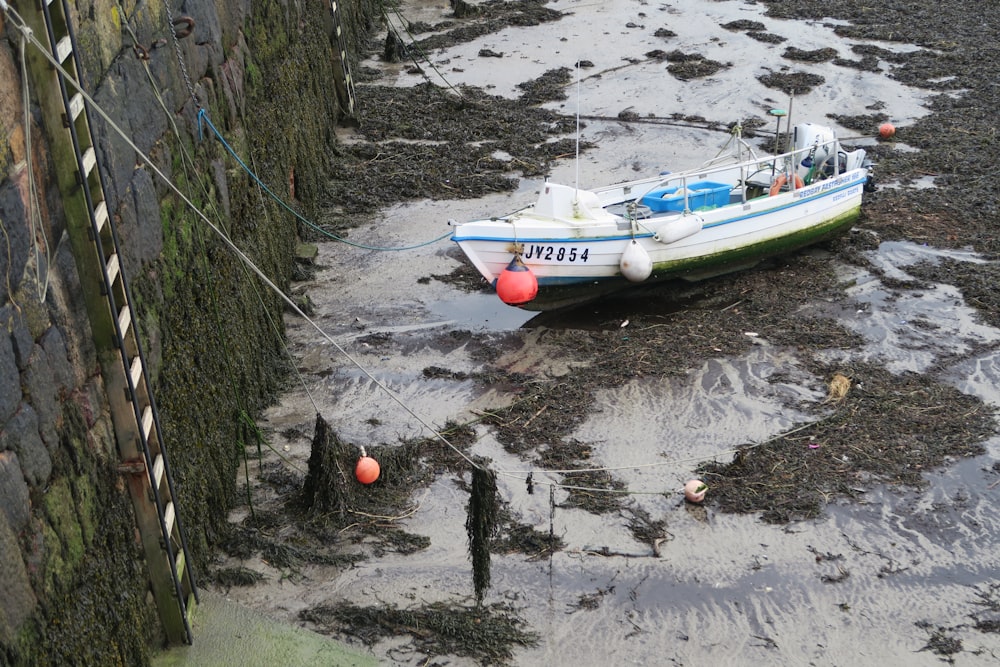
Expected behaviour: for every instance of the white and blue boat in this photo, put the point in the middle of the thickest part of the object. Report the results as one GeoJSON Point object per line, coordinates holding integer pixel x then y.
{"type": "Point", "coordinates": [726, 215]}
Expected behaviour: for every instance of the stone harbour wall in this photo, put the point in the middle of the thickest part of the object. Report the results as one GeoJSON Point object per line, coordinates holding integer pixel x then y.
{"type": "Point", "coordinates": [73, 584]}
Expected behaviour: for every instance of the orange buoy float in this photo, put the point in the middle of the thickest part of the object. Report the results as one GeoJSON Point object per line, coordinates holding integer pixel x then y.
{"type": "Point", "coordinates": [780, 181]}
{"type": "Point", "coordinates": [886, 130]}
{"type": "Point", "coordinates": [516, 284]}
{"type": "Point", "coordinates": [367, 469]}
{"type": "Point", "coordinates": [694, 491]}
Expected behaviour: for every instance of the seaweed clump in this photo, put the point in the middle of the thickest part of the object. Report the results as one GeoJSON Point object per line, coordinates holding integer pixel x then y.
{"type": "Point", "coordinates": [483, 633]}
{"type": "Point", "coordinates": [883, 428]}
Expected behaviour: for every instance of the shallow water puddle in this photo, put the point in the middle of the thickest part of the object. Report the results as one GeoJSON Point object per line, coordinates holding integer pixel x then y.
{"type": "Point", "coordinates": [910, 329]}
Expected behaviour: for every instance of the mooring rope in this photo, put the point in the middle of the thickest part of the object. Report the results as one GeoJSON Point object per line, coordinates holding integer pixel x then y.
{"type": "Point", "coordinates": [203, 117]}
{"type": "Point", "coordinates": [523, 476]}
{"type": "Point", "coordinates": [21, 25]}
{"type": "Point", "coordinates": [188, 164]}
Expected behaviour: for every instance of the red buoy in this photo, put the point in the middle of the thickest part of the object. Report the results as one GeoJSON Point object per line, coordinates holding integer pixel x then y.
{"type": "Point", "coordinates": [517, 283]}
{"type": "Point", "coordinates": [367, 470]}
{"type": "Point", "coordinates": [886, 130]}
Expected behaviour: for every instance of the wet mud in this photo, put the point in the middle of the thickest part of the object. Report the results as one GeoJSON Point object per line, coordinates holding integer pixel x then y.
{"type": "Point", "coordinates": [840, 404]}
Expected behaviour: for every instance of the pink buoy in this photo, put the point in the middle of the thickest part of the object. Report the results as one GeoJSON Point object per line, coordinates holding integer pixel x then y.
{"type": "Point", "coordinates": [517, 284]}
{"type": "Point", "coordinates": [694, 491]}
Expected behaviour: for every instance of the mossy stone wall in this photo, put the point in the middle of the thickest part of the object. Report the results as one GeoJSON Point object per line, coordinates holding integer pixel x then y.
{"type": "Point", "coordinates": [72, 579]}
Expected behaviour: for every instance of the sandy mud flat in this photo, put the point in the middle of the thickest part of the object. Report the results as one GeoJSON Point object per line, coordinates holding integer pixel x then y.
{"type": "Point", "coordinates": [840, 404]}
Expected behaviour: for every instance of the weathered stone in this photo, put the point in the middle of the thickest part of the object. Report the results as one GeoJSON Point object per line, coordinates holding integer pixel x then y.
{"type": "Point", "coordinates": [14, 499]}
{"type": "Point", "coordinates": [15, 587]}
{"type": "Point", "coordinates": [43, 394]}
{"type": "Point", "coordinates": [222, 183]}
{"type": "Point", "coordinates": [10, 388]}
{"type": "Point", "coordinates": [149, 234]}
{"type": "Point", "coordinates": [207, 32]}
{"type": "Point", "coordinates": [117, 158]}
{"type": "Point", "coordinates": [16, 239]}
{"type": "Point", "coordinates": [20, 434]}
{"type": "Point", "coordinates": [20, 335]}
{"type": "Point", "coordinates": [55, 348]}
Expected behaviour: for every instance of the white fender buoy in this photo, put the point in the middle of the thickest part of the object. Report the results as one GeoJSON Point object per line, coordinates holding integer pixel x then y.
{"type": "Point", "coordinates": [635, 263]}
{"type": "Point", "coordinates": [679, 228]}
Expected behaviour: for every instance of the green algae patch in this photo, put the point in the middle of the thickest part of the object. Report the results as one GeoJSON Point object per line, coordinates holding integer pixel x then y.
{"type": "Point", "coordinates": [230, 634]}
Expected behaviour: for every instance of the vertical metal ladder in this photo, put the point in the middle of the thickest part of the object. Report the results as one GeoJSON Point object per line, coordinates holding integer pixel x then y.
{"type": "Point", "coordinates": [345, 82]}
{"type": "Point", "coordinates": [143, 457]}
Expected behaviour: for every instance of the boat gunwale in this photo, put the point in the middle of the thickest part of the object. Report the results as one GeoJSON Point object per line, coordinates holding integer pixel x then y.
{"type": "Point", "coordinates": [782, 201]}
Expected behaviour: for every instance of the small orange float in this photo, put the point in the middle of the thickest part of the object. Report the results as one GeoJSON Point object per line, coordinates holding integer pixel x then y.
{"type": "Point", "coordinates": [367, 469]}
{"type": "Point", "coordinates": [780, 181]}
{"type": "Point", "coordinates": [517, 284]}
{"type": "Point", "coordinates": [886, 130]}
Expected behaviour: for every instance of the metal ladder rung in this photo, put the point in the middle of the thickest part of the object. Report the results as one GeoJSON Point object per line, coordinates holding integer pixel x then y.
{"type": "Point", "coordinates": [157, 476]}
{"type": "Point", "coordinates": [64, 47]}
{"type": "Point", "coordinates": [179, 562]}
{"type": "Point", "coordinates": [101, 215]}
{"type": "Point", "coordinates": [136, 426]}
{"type": "Point", "coordinates": [89, 162]}
{"type": "Point", "coordinates": [124, 319]}
{"type": "Point", "coordinates": [75, 107]}
{"type": "Point", "coordinates": [147, 421]}
{"type": "Point", "coordinates": [136, 370]}
{"type": "Point", "coordinates": [168, 517]}
{"type": "Point", "coordinates": [114, 267]}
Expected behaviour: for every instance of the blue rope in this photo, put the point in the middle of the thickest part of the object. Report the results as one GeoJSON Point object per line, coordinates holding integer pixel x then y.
{"type": "Point", "coordinates": [203, 117]}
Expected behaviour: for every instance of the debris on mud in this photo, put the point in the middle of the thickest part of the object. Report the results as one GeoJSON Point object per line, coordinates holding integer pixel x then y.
{"type": "Point", "coordinates": [487, 634]}
{"type": "Point", "coordinates": [886, 429]}
{"type": "Point", "coordinates": [792, 83]}
{"type": "Point", "coordinates": [872, 428]}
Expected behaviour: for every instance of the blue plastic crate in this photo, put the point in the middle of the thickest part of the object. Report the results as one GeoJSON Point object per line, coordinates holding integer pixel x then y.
{"type": "Point", "coordinates": [703, 194]}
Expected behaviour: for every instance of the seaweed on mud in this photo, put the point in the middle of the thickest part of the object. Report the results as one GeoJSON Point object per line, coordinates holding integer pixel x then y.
{"type": "Point", "coordinates": [549, 87]}
{"type": "Point", "coordinates": [228, 577]}
{"type": "Point", "coordinates": [744, 25]}
{"type": "Point", "coordinates": [987, 616]}
{"type": "Point", "coordinates": [521, 538]}
{"type": "Point", "coordinates": [812, 56]}
{"type": "Point", "coordinates": [695, 68]}
{"type": "Point", "coordinates": [487, 634]}
{"type": "Point", "coordinates": [941, 642]}
{"type": "Point", "coordinates": [436, 142]}
{"type": "Point", "coordinates": [442, 143]}
{"type": "Point", "coordinates": [595, 491]}
{"type": "Point", "coordinates": [797, 83]}
{"type": "Point", "coordinates": [766, 37]}
{"type": "Point", "coordinates": [487, 18]}
{"type": "Point", "coordinates": [245, 541]}
{"type": "Point", "coordinates": [887, 429]}
{"type": "Point", "coordinates": [977, 283]}
{"type": "Point", "coordinates": [866, 124]}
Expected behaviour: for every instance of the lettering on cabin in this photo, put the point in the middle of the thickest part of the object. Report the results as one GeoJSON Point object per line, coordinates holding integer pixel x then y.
{"type": "Point", "coordinates": [822, 186]}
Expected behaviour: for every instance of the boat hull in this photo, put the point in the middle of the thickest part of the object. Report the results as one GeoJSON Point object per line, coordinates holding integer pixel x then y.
{"type": "Point", "coordinates": [582, 257]}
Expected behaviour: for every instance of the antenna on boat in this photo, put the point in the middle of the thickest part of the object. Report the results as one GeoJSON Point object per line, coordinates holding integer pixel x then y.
{"type": "Point", "coordinates": [779, 114]}
{"type": "Point", "coordinates": [788, 125]}
{"type": "Point", "coordinates": [577, 195]}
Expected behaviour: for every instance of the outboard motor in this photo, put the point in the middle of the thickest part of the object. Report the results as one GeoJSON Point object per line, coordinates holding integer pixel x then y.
{"type": "Point", "coordinates": [821, 142]}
